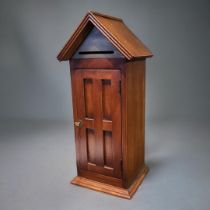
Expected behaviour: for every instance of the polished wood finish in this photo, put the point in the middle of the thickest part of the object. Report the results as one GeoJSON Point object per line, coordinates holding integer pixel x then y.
{"type": "Point", "coordinates": [113, 29]}
{"type": "Point", "coordinates": [110, 189]}
{"type": "Point", "coordinates": [100, 178]}
{"type": "Point", "coordinates": [133, 119]}
{"type": "Point", "coordinates": [125, 40]}
{"type": "Point", "coordinates": [108, 96]}
{"type": "Point", "coordinates": [99, 63]}
{"type": "Point", "coordinates": [99, 112]}
{"type": "Point", "coordinates": [131, 88]}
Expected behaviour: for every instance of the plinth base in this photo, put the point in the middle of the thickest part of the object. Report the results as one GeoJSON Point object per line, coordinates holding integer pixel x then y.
{"type": "Point", "coordinates": [113, 190]}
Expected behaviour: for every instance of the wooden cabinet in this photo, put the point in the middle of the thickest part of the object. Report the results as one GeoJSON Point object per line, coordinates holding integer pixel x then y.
{"type": "Point", "coordinates": [107, 65]}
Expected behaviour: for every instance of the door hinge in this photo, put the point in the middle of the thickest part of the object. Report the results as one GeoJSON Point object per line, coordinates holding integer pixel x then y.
{"type": "Point", "coordinates": [119, 87]}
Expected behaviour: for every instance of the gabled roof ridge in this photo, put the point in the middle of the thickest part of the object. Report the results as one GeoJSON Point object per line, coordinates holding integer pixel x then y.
{"type": "Point", "coordinates": [104, 15]}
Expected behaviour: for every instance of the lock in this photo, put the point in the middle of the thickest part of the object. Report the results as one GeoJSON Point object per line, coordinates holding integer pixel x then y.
{"type": "Point", "coordinates": [78, 123]}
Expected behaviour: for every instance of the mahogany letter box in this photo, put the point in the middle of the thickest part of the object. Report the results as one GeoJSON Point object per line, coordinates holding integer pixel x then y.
{"type": "Point", "coordinates": [107, 66]}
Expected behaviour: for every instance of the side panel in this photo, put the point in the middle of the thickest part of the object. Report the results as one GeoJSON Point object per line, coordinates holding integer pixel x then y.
{"type": "Point", "coordinates": [133, 119]}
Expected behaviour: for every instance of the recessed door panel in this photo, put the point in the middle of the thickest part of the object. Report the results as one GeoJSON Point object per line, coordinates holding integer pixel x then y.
{"type": "Point", "coordinates": [98, 103]}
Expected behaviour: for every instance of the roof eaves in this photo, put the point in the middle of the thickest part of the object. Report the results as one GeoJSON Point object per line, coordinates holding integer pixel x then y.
{"type": "Point", "coordinates": [91, 16]}
{"type": "Point", "coordinates": [73, 37]}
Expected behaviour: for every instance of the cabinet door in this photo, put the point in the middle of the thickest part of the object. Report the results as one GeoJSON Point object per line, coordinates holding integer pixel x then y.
{"type": "Point", "coordinates": [98, 121]}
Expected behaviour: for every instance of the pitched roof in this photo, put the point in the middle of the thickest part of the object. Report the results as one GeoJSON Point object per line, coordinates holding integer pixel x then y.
{"type": "Point", "coordinates": [113, 29]}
